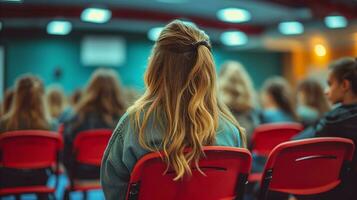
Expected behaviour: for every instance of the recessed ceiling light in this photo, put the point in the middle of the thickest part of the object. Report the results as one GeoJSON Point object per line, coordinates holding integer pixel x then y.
{"type": "Point", "coordinates": [59, 27]}
{"type": "Point", "coordinates": [336, 21]}
{"type": "Point", "coordinates": [234, 38]}
{"type": "Point", "coordinates": [291, 28]}
{"type": "Point", "coordinates": [96, 15]}
{"type": "Point", "coordinates": [234, 15]}
{"type": "Point", "coordinates": [154, 33]}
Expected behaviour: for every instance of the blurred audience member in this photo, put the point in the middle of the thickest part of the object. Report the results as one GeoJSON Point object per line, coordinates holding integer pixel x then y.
{"type": "Point", "coordinates": [311, 102]}
{"type": "Point", "coordinates": [56, 101]}
{"type": "Point", "coordinates": [340, 121]}
{"type": "Point", "coordinates": [277, 101]}
{"type": "Point", "coordinates": [237, 92]}
{"type": "Point", "coordinates": [100, 106]}
{"type": "Point", "coordinates": [28, 112]}
{"type": "Point", "coordinates": [8, 99]}
{"type": "Point", "coordinates": [75, 97]}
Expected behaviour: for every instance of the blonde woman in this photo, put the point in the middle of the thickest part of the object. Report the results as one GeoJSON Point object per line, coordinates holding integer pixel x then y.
{"type": "Point", "coordinates": [178, 110]}
{"type": "Point", "coordinates": [100, 107]}
{"type": "Point", "coordinates": [237, 92]}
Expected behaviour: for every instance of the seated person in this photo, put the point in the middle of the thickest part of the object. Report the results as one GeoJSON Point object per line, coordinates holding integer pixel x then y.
{"type": "Point", "coordinates": [179, 110]}
{"type": "Point", "coordinates": [100, 107]}
{"type": "Point", "coordinates": [277, 101]}
{"type": "Point", "coordinates": [27, 112]}
{"type": "Point", "coordinates": [342, 120]}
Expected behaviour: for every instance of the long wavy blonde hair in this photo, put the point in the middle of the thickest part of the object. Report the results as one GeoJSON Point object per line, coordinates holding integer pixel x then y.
{"type": "Point", "coordinates": [236, 87]}
{"type": "Point", "coordinates": [181, 96]}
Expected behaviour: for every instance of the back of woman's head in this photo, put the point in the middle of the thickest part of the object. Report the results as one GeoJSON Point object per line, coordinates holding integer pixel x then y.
{"type": "Point", "coordinates": [346, 69]}
{"type": "Point", "coordinates": [56, 101]}
{"type": "Point", "coordinates": [102, 96]}
{"type": "Point", "coordinates": [281, 93]}
{"type": "Point", "coordinates": [313, 95]}
{"type": "Point", "coordinates": [28, 110]}
{"type": "Point", "coordinates": [181, 88]}
{"type": "Point", "coordinates": [236, 87]}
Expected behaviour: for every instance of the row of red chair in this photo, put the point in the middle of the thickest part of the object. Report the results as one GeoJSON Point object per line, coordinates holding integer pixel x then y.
{"type": "Point", "coordinates": [29, 149]}
{"type": "Point", "coordinates": [226, 168]}
{"type": "Point", "coordinates": [296, 167]}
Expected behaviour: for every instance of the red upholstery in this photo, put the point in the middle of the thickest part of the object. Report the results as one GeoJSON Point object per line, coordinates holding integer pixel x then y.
{"type": "Point", "coordinates": [88, 148]}
{"type": "Point", "coordinates": [24, 190]}
{"type": "Point", "coordinates": [307, 167]}
{"type": "Point", "coordinates": [226, 170]}
{"type": "Point", "coordinates": [268, 136]}
{"type": "Point", "coordinates": [29, 149]}
{"type": "Point", "coordinates": [90, 145]}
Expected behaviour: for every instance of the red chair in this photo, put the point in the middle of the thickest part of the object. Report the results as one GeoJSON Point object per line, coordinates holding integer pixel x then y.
{"type": "Point", "coordinates": [226, 170]}
{"type": "Point", "coordinates": [30, 149]}
{"type": "Point", "coordinates": [88, 148]}
{"type": "Point", "coordinates": [267, 136]}
{"type": "Point", "coordinates": [307, 167]}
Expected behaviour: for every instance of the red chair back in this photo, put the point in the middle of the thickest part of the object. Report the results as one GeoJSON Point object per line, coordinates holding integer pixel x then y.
{"type": "Point", "coordinates": [307, 167]}
{"type": "Point", "coordinates": [89, 146]}
{"type": "Point", "coordinates": [225, 168]}
{"type": "Point", "coordinates": [268, 136]}
{"type": "Point", "coordinates": [29, 149]}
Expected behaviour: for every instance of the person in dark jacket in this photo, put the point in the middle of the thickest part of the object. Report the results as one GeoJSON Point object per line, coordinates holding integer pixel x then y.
{"type": "Point", "coordinates": [100, 107]}
{"type": "Point", "coordinates": [341, 121]}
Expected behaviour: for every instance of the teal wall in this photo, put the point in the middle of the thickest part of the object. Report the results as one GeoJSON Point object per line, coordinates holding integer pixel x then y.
{"type": "Point", "coordinates": [42, 55]}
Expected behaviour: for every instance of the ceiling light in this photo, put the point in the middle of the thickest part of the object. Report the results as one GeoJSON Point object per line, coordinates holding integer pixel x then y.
{"type": "Point", "coordinates": [154, 33]}
{"type": "Point", "coordinates": [335, 21]}
{"type": "Point", "coordinates": [96, 15]}
{"type": "Point", "coordinates": [320, 50]}
{"type": "Point", "coordinates": [234, 15]}
{"type": "Point", "coordinates": [59, 27]}
{"type": "Point", "coordinates": [291, 28]}
{"type": "Point", "coordinates": [234, 38]}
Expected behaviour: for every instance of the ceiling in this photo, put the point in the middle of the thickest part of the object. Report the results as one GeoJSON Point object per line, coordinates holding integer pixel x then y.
{"type": "Point", "coordinates": [140, 15]}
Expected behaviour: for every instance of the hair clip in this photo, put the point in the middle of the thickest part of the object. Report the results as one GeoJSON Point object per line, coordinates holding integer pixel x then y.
{"type": "Point", "coordinates": [203, 42]}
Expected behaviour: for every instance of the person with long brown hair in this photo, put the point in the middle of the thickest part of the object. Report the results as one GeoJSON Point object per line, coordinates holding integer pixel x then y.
{"type": "Point", "coordinates": [312, 104]}
{"type": "Point", "coordinates": [237, 92]}
{"type": "Point", "coordinates": [27, 112]}
{"type": "Point", "coordinates": [180, 109]}
{"type": "Point", "coordinates": [8, 99]}
{"type": "Point", "coordinates": [100, 107]}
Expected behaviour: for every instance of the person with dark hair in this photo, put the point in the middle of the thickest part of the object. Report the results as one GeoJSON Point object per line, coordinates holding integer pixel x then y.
{"type": "Point", "coordinates": [341, 121]}
{"type": "Point", "coordinates": [277, 101]}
